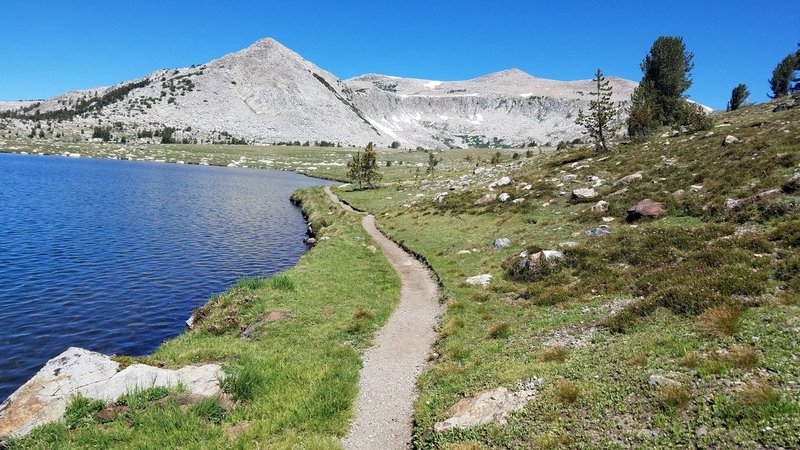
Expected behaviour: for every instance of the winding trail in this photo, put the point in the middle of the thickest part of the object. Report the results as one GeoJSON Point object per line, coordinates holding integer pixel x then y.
{"type": "Point", "coordinates": [387, 390]}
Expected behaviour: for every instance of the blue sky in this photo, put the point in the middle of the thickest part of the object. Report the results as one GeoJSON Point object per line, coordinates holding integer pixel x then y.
{"type": "Point", "coordinates": [48, 47]}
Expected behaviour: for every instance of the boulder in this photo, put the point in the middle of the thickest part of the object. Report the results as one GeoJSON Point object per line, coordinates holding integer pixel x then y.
{"type": "Point", "coordinates": [310, 240]}
{"type": "Point", "coordinates": [486, 199]}
{"type": "Point", "coordinates": [439, 198]}
{"type": "Point", "coordinates": [501, 243]}
{"type": "Point", "coordinates": [730, 140]}
{"type": "Point", "coordinates": [482, 280]}
{"type": "Point", "coordinates": [628, 179]}
{"type": "Point", "coordinates": [485, 407]}
{"type": "Point", "coordinates": [504, 197]}
{"type": "Point", "coordinates": [601, 206]}
{"type": "Point", "coordinates": [584, 194]}
{"type": "Point", "coordinates": [646, 208]}
{"type": "Point", "coordinates": [43, 399]}
{"type": "Point", "coordinates": [518, 200]}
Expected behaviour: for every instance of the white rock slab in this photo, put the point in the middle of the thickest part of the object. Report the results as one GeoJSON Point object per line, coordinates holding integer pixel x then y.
{"type": "Point", "coordinates": [44, 397]}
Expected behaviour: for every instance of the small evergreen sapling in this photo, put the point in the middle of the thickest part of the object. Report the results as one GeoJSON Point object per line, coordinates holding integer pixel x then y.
{"type": "Point", "coordinates": [599, 122]}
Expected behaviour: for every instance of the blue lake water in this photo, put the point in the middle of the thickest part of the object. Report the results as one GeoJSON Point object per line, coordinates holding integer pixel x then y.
{"type": "Point", "coordinates": [113, 256]}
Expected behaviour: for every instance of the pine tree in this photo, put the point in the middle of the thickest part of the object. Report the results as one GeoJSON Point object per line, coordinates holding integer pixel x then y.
{"type": "Point", "coordinates": [602, 112]}
{"type": "Point", "coordinates": [369, 166]}
{"type": "Point", "coordinates": [782, 76]}
{"type": "Point", "coordinates": [739, 96]}
{"type": "Point", "coordinates": [796, 80]}
{"type": "Point", "coordinates": [363, 168]}
{"type": "Point", "coordinates": [659, 98]}
{"type": "Point", "coordinates": [354, 170]}
{"type": "Point", "coordinates": [433, 161]}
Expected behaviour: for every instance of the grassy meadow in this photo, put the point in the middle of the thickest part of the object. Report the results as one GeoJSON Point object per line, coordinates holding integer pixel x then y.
{"type": "Point", "coordinates": [672, 332]}
{"type": "Point", "coordinates": [678, 331]}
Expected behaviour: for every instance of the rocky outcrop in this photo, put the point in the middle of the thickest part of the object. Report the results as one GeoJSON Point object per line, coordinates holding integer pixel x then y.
{"type": "Point", "coordinates": [44, 398]}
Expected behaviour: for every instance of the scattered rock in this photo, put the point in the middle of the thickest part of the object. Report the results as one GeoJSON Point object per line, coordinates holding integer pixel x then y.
{"type": "Point", "coordinates": [569, 178]}
{"type": "Point", "coordinates": [501, 182]}
{"type": "Point", "coordinates": [658, 380]}
{"type": "Point", "coordinates": [310, 240]}
{"type": "Point", "coordinates": [599, 231]}
{"type": "Point", "coordinates": [735, 204]}
{"type": "Point", "coordinates": [43, 399]}
{"type": "Point", "coordinates": [646, 208]}
{"type": "Point", "coordinates": [626, 180]}
{"type": "Point", "coordinates": [486, 199]}
{"type": "Point", "coordinates": [372, 249]}
{"type": "Point", "coordinates": [730, 140]}
{"type": "Point", "coordinates": [546, 255]}
{"type": "Point", "coordinates": [439, 198]}
{"type": "Point", "coordinates": [601, 206]}
{"type": "Point", "coordinates": [568, 244]}
{"type": "Point", "coordinates": [504, 197]}
{"type": "Point", "coordinates": [584, 194]}
{"type": "Point", "coordinates": [701, 431]}
{"type": "Point", "coordinates": [486, 407]}
{"type": "Point", "coordinates": [518, 200]}
{"type": "Point", "coordinates": [501, 243]}
{"type": "Point", "coordinates": [191, 321]}
{"type": "Point", "coordinates": [272, 316]}
{"type": "Point", "coordinates": [483, 280]}
{"type": "Point", "coordinates": [696, 188]}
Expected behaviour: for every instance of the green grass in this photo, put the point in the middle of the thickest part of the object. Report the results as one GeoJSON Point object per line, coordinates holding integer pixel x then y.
{"type": "Point", "coordinates": [293, 384]}
{"type": "Point", "coordinates": [704, 306]}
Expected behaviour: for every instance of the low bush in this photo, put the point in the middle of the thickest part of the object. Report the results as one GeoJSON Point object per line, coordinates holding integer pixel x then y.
{"type": "Point", "coordinates": [672, 396]}
{"type": "Point", "coordinates": [720, 321]}
{"type": "Point", "coordinates": [557, 353]}
{"type": "Point", "coordinates": [567, 391]}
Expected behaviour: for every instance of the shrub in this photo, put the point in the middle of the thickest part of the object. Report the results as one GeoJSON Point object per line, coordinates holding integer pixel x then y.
{"type": "Point", "coordinates": [567, 391]}
{"type": "Point", "coordinates": [556, 353]}
{"type": "Point", "coordinates": [744, 357]}
{"type": "Point", "coordinates": [755, 394]}
{"type": "Point", "coordinates": [672, 396]}
{"type": "Point", "coordinates": [499, 330]}
{"type": "Point", "coordinates": [720, 321]}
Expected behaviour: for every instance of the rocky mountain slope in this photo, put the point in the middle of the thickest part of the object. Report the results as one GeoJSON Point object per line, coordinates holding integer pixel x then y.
{"type": "Point", "coordinates": [267, 93]}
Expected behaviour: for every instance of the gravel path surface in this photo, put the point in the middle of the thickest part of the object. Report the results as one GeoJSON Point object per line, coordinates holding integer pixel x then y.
{"type": "Point", "coordinates": [387, 389]}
